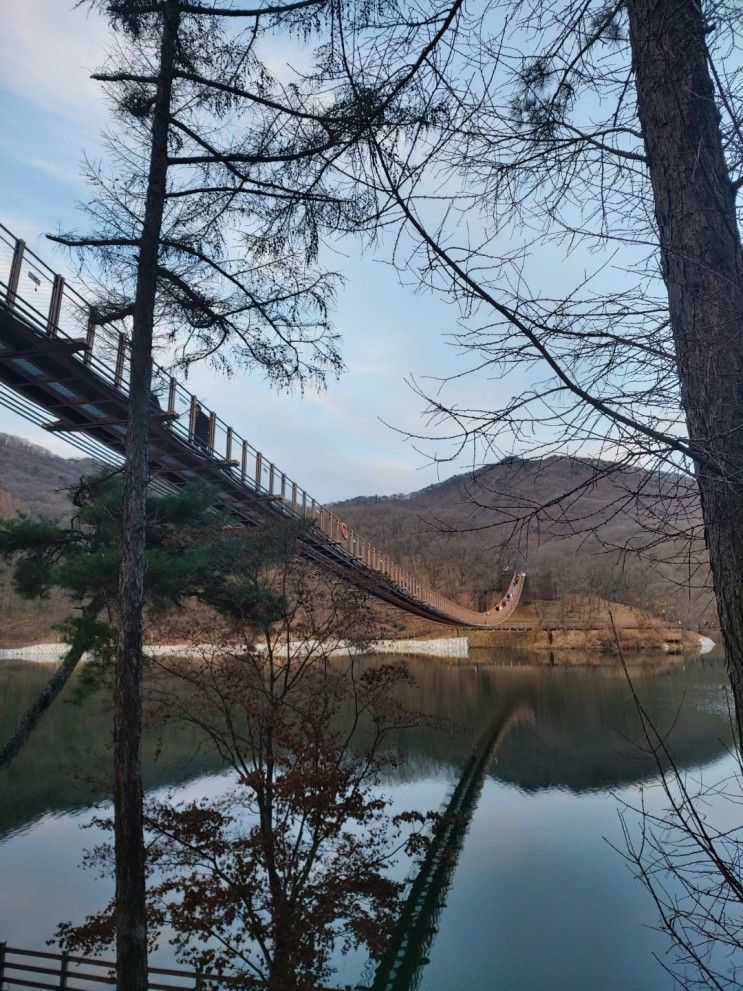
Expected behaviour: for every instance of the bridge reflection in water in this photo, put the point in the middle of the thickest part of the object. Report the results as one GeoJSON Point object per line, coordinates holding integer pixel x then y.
{"type": "Point", "coordinates": [400, 968]}
{"type": "Point", "coordinates": [65, 367]}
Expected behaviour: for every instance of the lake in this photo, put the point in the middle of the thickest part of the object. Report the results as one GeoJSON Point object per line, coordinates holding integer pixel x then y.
{"type": "Point", "coordinates": [537, 898]}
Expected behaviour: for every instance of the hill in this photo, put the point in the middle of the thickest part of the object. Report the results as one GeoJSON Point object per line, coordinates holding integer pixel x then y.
{"type": "Point", "coordinates": [8, 505]}
{"type": "Point", "coordinates": [626, 535]}
{"type": "Point", "coordinates": [466, 534]}
{"type": "Point", "coordinates": [35, 480]}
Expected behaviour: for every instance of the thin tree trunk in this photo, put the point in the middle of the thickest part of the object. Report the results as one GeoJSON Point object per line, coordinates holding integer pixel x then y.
{"type": "Point", "coordinates": [702, 267]}
{"type": "Point", "coordinates": [282, 974]}
{"type": "Point", "coordinates": [32, 717]}
{"type": "Point", "coordinates": [131, 927]}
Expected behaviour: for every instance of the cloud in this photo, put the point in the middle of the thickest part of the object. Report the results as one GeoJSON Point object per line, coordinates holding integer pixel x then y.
{"type": "Point", "coordinates": [51, 167]}
{"type": "Point", "coordinates": [334, 443]}
{"type": "Point", "coordinates": [47, 53]}
{"type": "Point", "coordinates": [285, 57]}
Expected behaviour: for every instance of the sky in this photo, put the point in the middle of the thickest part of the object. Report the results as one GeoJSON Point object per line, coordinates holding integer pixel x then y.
{"type": "Point", "coordinates": [347, 441]}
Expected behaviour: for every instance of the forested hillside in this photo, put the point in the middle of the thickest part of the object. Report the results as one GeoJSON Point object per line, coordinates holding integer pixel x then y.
{"type": "Point", "coordinates": [467, 534]}
{"type": "Point", "coordinates": [624, 535]}
{"type": "Point", "coordinates": [35, 480]}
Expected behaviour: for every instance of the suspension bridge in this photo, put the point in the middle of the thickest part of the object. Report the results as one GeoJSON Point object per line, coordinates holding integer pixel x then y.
{"type": "Point", "coordinates": [64, 368]}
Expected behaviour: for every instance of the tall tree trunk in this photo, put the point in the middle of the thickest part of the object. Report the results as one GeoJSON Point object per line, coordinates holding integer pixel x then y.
{"type": "Point", "coordinates": [131, 928]}
{"type": "Point", "coordinates": [701, 263]}
{"type": "Point", "coordinates": [32, 716]}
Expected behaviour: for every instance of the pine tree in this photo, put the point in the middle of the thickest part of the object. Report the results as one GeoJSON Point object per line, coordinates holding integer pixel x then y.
{"type": "Point", "coordinates": [82, 559]}
{"type": "Point", "coordinates": [206, 231]}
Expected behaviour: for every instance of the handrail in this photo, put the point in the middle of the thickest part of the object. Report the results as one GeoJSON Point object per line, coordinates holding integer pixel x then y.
{"type": "Point", "coordinates": [59, 311]}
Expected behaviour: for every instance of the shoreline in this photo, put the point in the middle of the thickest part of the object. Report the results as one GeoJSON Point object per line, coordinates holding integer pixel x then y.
{"type": "Point", "coordinates": [452, 648]}
{"type": "Point", "coordinates": [448, 647]}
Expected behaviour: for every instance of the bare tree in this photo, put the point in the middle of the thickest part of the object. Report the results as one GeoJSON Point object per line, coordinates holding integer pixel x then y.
{"type": "Point", "coordinates": [683, 840]}
{"type": "Point", "coordinates": [575, 193]}
{"type": "Point", "coordinates": [292, 863]}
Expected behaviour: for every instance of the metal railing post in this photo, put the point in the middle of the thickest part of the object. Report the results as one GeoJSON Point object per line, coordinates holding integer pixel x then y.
{"type": "Point", "coordinates": [244, 465]}
{"type": "Point", "coordinates": [192, 420]}
{"type": "Point", "coordinates": [212, 431]}
{"type": "Point", "coordinates": [172, 390]}
{"type": "Point", "coordinates": [90, 335]}
{"type": "Point", "coordinates": [294, 496]}
{"type": "Point", "coordinates": [271, 471]}
{"type": "Point", "coordinates": [3, 950]}
{"type": "Point", "coordinates": [55, 306]}
{"type": "Point", "coordinates": [228, 450]}
{"type": "Point", "coordinates": [258, 470]}
{"type": "Point", "coordinates": [15, 271]}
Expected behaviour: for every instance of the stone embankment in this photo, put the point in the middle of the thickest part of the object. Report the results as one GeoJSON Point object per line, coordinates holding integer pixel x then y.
{"type": "Point", "coordinates": [457, 647]}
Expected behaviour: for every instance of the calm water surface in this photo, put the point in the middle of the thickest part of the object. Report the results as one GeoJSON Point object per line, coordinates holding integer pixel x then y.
{"type": "Point", "coordinates": [538, 898]}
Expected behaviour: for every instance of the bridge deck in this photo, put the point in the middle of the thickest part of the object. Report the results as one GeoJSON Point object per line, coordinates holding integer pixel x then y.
{"type": "Point", "coordinates": [58, 361]}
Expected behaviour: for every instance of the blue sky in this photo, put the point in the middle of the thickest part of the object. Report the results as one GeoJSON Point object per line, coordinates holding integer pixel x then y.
{"type": "Point", "coordinates": [336, 444]}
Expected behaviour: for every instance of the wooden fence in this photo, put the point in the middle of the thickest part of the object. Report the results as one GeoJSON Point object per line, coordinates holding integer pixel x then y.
{"type": "Point", "coordinates": [65, 972]}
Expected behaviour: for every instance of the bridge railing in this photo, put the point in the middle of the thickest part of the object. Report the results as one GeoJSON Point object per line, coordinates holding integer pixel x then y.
{"type": "Point", "coordinates": [56, 309]}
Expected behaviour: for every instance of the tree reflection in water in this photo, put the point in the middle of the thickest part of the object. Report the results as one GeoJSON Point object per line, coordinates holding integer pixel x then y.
{"type": "Point", "coordinates": [292, 865]}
